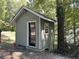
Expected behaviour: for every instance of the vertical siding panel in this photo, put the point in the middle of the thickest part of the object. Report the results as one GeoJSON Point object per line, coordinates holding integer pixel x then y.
{"type": "Point", "coordinates": [21, 31]}
{"type": "Point", "coordinates": [21, 28]}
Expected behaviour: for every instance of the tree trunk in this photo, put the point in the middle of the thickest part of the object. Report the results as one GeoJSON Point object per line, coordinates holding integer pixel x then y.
{"type": "Point", "coordinates": [60, 17]}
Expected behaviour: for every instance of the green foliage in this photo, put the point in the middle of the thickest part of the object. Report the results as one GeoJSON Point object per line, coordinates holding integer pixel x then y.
{"type": "Point", "coordinates": [72, 24]}
{"type": "Point", "coordinates": [2, 9]}
{"type": "Point", "coordinates": [71, 15]}
{"type": "Point", "coordinates": [46, 7]}
{"type": "Point", "coordinates": [8, 9]}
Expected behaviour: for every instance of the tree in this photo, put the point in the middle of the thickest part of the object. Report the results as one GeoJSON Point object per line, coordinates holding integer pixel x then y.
{"type": "Point", "coordinates": [60, 17]}
{"type": "Point", "coordinates": [2, 9]}
{"type": "Point", "coordinates": [8, 8]}
{"type": "Point", "coordinates": [71, 17]}
{"type": "Point", "coordinates": [45, 7]}
{"type": "Point", "coordinates": [13, 6]}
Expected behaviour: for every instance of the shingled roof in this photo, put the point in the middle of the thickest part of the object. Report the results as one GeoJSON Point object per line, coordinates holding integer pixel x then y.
{"type": "Point", "coordinates": [35, 13]}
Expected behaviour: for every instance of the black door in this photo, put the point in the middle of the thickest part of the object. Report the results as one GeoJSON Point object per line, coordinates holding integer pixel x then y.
{"type": "Point", "coordinates": [32, 34]}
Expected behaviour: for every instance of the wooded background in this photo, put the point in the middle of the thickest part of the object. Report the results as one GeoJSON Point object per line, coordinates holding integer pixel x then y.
{"type": "Point", "coordinates": [65, 12]}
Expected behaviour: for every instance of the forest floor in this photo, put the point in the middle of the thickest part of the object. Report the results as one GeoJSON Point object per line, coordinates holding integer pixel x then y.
{"type": "Point", "coordinates": [9, 52]}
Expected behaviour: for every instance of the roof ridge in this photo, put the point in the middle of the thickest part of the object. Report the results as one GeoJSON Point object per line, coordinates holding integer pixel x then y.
{"type": "Point", "coordinates": [34, 12]}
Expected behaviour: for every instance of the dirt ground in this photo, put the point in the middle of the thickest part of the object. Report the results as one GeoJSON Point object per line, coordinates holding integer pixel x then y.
{"type": "Point", "coordinates": [7, 51]}
{"type": "Point", "coordinates": [8, 54]}
{"type": "Point", "coordinates": [13, 53]}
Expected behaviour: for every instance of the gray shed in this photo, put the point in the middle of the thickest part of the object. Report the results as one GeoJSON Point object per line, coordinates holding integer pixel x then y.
{"type": "Point", "coordinates": [33, 30]}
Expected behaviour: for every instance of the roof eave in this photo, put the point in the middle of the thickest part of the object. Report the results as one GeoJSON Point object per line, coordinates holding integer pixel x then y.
{"type": "Point", "coordinates": [38, 15]}
{"type": "Point", "coordinates": [12, 21]}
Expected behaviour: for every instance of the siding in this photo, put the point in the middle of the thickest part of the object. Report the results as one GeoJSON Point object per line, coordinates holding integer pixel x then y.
{"type": "Point", "coordinates": [49, 43]}
{"type": "Point", "coordinates": [43, 40]}
{"type": "Point", "coordinates": [21, 31]}
{"type": "Point", "coordinates": [51, 37]}
{"type": "Point", "coordinates": [21, 28]}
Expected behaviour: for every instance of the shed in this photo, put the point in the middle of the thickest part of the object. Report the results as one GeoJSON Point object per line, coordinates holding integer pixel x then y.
{"type": "Point", "coordinates": [33, 30]}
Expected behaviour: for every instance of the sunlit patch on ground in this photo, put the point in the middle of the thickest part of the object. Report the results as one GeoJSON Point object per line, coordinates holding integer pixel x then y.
{"type": "Point", "coordinates": [26, 54]}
